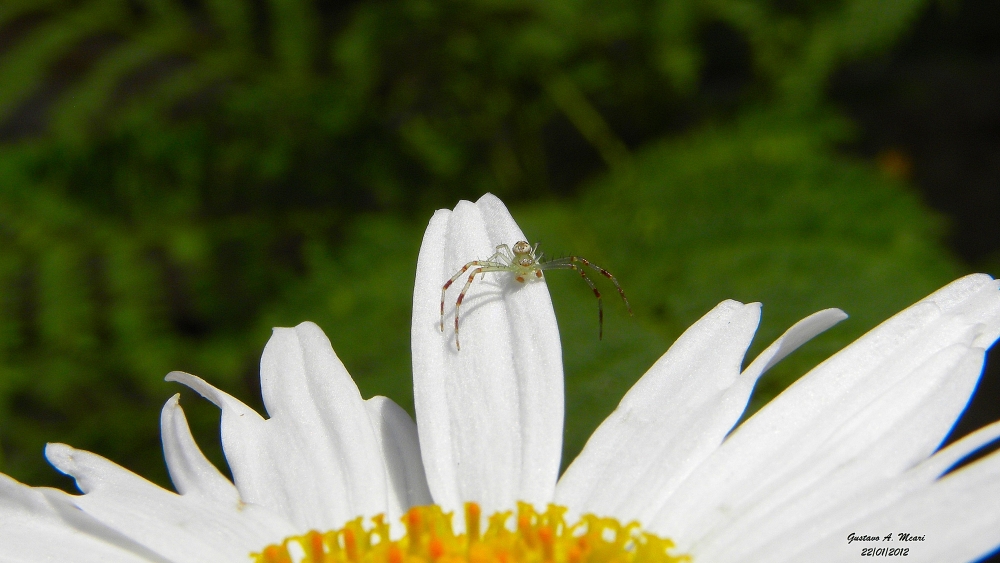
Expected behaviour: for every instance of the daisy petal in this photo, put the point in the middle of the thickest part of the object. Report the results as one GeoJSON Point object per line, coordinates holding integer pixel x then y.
{"type": "Point", "coordinates": [940, 513]}
{"type": "Point", "coordinates": [253, 451]}
{"type": "Point", "coordinates": [190, 471]}
{"type": "Point", "coordinates": [316, 460]}
{"type": "Point", "coordinates": [863, 416]}
{"type": "Point", "coordinates": [34, 528]}
{"type": "Point", "coordinates": [176, 527]}
{"type": "Point", "coordinates": [947, 457]}
{"type": "Point", "coordinates": [885, 495]}
{"type": "Point", "coordinates": [658, 432]}
{"type": "Point", "coordinates": [490, 415]}
{"type": "Point", "coordinates": [308, 392]}
{"type": "Point", "coordinates": [397, 436]}
{"type": "Point", "coordinates": [715, 403]}
{"type": "Point", "coordinates": [858, 469]}
{"type": "Point", "coordinates": [797, 335]}
{"type": "Point", "coordinates": [734, 401]}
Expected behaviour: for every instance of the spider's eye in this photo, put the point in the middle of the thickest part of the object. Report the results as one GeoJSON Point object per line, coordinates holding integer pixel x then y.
{"type": "Point", "coordinates": [522, 247]}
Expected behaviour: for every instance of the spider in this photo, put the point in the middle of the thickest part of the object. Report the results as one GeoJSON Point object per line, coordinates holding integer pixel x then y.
{"type": "Point", "coordinates": [523, 263]}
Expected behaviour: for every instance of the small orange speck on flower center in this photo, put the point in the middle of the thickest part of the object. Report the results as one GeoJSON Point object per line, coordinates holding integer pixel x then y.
{"type": "Point", "coordinates": [524, 528]}
{"type": "Point", "coordinates": [472, 513]}
{"type": "Point", "coordinates": [539, 537]}
{"type": "Point", "coordinates": [395, 554]}
{"type": "Point", "coordinates": [435, 548]}
{"type": "Point", "coordinates": [413, 529]}
{"type": "Point", "coordinates": [573, 554]}
{"type": "Point", "coordinates": [316, 549]}
{"type": "Point", "coordinates": [350, 545]}
{"type": "Point", "coordinates": [274, 554]}
{"type": "Point", "coordinates": [545, 537]}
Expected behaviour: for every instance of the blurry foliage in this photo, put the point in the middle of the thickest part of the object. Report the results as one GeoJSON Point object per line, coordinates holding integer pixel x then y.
{"type": "Point", "coordinates": [176, 176]}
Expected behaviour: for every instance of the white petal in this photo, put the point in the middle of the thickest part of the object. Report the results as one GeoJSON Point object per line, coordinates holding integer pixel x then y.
{"type": "Point", "coordinates": [33, 528]}
{"type": "Point", "coordinates": [641, 449]}
{"type": "Point", "coordinates": [491, 415]}
{"type": "Point", "coordinates": [176, 527]}
{"type": "Point", "coordinates": [307, 390]}
{"type": "Point", "coordinates": [946, 457]}
{"type": "Point", "coordinates": [677, 414]}
{"type": "Point", "coordinates": [254, 452]}
{"type": "Point", "coordinates": [959, 517]}
{"type": "Point", "coordinates": [317, 460]}
{"type": "Point", "coordinates": [856, 470]}
{"type": "Point", "coordinates": [869, 412]}
{"type": "Point", "coordinates": [885, 495]}
{"type": "Point", "coordinates": [797, 335]}
{"type": "Point", "coordinates": [190, 471]}
{"type": "Point", "coordinates": [397, 436]}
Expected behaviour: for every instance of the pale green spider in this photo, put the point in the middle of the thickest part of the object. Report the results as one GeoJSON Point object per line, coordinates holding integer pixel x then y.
{"type": "Point", "coordinates": [523, 263]}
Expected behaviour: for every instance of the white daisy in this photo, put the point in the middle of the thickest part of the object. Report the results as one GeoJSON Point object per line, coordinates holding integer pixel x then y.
{"type": "Point", "coordinates": [848, 449]}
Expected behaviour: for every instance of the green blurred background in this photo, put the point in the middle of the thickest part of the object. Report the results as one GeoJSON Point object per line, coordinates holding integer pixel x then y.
{"type": "Point", "coordinates": [179, 176]}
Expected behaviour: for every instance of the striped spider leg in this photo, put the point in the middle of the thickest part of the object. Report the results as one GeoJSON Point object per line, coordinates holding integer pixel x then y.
{"type": "Point", "coordinates": [523, 262]}
{"type": "Point", "coordinates": [571, 262]}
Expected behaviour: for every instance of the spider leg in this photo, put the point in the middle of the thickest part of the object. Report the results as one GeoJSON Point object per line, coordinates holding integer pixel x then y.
{"type": "Point", "coordinates": [479, 269]}
{"type": "Point", "coordinates": [458, 303]}
{"type": "Point", "coordinates": [503, 251]}
{"type": "Point", "coordinates": [448, 283]}
{"type": "Point", "coordinates": [583, 274]}
{"type": "Point", "coordinates": [605, 273]}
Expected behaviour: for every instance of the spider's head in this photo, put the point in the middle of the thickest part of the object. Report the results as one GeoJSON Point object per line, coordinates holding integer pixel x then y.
{"type": "Point", "coordinates": [522, 248]}
{"type": "Point", "coordinates": [524, 255]}
{"type": "Point", "coordinates": [525, 263]}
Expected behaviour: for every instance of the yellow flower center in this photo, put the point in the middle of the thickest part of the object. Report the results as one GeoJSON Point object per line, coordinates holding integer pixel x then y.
{"type": "Point", "coordinates": [540, 537]}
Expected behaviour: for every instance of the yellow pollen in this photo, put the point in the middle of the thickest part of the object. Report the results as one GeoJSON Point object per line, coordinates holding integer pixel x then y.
{"type": "Point", "coordinates": [541, 537]}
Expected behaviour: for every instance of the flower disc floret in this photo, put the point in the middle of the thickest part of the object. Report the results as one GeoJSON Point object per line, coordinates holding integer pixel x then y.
{"type": "Point", "coordinates": [537, 537]}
